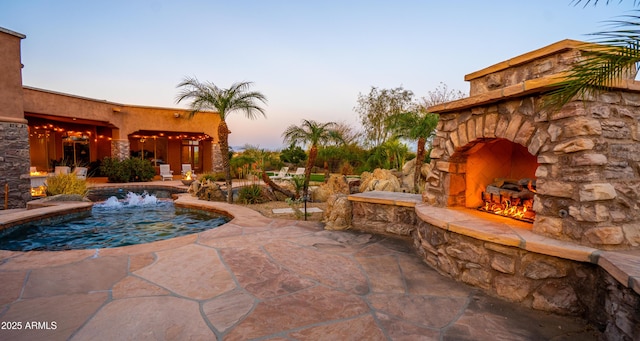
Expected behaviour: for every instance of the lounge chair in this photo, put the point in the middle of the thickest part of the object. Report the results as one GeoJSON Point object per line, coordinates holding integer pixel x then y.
{"type": "Point", "coordinates": [166, 173]}
{"type": "Point", "coordinates": [281, 174]}
{"type": "Point", "coordinates": [80, 172]}
{"type": "Point", "coordinates": [299, 172]}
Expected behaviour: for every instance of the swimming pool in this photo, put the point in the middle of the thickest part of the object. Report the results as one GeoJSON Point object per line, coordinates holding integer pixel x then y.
{"type": "Point", "coordinates": [137, 219]}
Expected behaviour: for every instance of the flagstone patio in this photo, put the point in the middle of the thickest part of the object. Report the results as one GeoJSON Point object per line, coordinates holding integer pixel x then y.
{"type": "Point", "coordinates": [256, 278]}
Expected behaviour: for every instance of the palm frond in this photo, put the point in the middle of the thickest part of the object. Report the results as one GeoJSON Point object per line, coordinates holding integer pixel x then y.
{"type": "Point", "coordinates": [208, 96]}
{"type": "Point", "coordinates": [595, 2]}
{"type": "Point", "coordinates": [613, 58]}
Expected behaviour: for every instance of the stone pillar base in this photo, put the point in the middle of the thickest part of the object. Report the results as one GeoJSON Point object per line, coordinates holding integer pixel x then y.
{"type": "Point", "coordinates": [120, 149]}
{"type": "Point", "coordinates": [14, 165]}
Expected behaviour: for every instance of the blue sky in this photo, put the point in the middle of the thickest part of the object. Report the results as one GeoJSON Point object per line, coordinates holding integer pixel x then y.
{"type": "Point", "coordinates": [310, 58]}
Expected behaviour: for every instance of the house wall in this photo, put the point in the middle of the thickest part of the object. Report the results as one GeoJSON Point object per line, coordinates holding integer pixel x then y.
{"type": "Point", "coordinates": [119, 121]}
{"type": "Point", "coordinates": [14, 134]}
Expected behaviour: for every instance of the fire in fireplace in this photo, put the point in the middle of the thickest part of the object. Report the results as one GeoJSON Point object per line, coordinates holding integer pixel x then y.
{"type": "Point", "coordinates": [510, 198]}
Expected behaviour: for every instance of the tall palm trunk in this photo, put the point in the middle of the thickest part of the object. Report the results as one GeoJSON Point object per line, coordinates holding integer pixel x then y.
{"type": "Point", "coordinates": [313, 153]}
{"type": "Point", "coordinates": [223, 134]}
{"type": "Point", "coordinates": [419, 160]}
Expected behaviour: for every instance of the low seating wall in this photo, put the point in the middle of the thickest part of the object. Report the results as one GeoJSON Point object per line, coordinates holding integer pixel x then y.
{"type": "Point", "coordinates": [504, 258]}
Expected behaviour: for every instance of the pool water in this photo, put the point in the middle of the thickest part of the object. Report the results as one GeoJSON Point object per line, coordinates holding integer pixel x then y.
{"type": "Point", "coordinates": [136, 220]}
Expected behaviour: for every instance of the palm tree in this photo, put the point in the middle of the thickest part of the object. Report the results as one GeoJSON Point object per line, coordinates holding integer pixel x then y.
{"type": "Point", "coordinates": [418, 126]}
{"type": "Point", "coordinates": [207, 96]}
{"type": "Point", "coordinates": [612, 57]}
{"type": "Point", "coordinates": [312, 133]}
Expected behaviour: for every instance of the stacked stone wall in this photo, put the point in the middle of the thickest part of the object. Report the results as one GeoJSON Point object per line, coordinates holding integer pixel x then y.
{"type": "Point", "coordinates": [619, 315]}
{"type": "Point", "coordinates": [14, 165]}
{"type": "Point", "coordinates": [534, 280]}
{"type": "Point", "coordinates": [382, 219]}
{"type": "Point", "coordinates": [520, 70]}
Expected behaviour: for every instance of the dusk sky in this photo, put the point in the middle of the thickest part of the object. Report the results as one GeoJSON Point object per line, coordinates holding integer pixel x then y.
{"type": "Point", "coordinates": [310, 58]}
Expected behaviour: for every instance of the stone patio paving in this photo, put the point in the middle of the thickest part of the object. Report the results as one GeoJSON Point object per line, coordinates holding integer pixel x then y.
{"type": "Point", "coordinates": [256, 278]}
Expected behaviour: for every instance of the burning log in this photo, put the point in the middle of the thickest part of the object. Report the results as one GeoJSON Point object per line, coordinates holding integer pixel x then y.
{"type": "Point", "coordinates": [512, 198]}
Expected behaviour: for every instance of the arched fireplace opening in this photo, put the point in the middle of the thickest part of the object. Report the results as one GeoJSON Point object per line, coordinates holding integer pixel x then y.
{"type": "Point", "coordinates": [495, 175]}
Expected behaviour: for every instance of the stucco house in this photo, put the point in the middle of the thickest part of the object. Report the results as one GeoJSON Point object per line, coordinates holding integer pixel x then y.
{"type": "Point", "coordinates": [43, 128]}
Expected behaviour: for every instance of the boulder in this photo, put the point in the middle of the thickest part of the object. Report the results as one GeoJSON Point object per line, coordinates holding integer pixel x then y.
{"type": "Point", "coordinates": [208, 190]}
{"type": "Point", "coordinates": [380, 180]}
{"type": "Point", "coordinates": [409, 167]}
{"type": "Point", "coordinates": [335, 185]}
{"type": "Point", "coordinates": [408, 172]}
{"type": "Point", "coordinates": [338, 213]}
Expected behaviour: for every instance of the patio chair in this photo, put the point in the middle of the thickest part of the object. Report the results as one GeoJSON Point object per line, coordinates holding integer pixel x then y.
{"type": "Point", "coordinates": [281, 174]}
{"type": "Point", "coordinates": [299, 172]}
{"type": "Point", "coordinates": [81, 172]}
{"type": "Point", "coordinates": [186, 167]}
{"type": "Point", "coordinates": [166, 173]}
{"type": "Point", "coordinates": [62, 170]}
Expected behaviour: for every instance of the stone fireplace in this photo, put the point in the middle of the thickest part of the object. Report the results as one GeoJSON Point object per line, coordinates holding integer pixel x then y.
{"type": "Point", "coordinates": [576, 168]}
{"type": "Point", "coordinates": [583, 158]}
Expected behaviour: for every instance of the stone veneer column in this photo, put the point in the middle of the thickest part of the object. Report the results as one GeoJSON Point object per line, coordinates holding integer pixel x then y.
{"type": "Point", "coordinates": [120, 149]}
{"type": "Point", "coordinates": [14, 164]}
{"type": "Point", "coordinates": [14, 131]}
{"type": "Point", "coordinates": [216, 158]}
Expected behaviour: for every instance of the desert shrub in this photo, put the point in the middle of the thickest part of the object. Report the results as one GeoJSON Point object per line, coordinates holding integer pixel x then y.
{"type": "Point", "coordinates": [66, 184]}
{"type": "Point", "coordinates": [218, 176]}
{"type": "Point", "coordinates": [293, 155]}
{"type": "Point", "coordinates": [129, 170]}
{"type": "Point", "coordinates": [346, 168]}
{"type": "Point", "coordinates": [298, 183]}
{"type": "Point", "coordinates": [251, 194]}
{"type": "Point", "coordinates": [115, 170]}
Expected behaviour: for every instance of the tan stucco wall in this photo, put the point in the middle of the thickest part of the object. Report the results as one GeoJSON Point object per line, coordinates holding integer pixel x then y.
{"type": "Point", "coordinates": [126, 118]}
{"type": "Point", "coordinates": [136, 118]}
{"type": "Point", "coordinates": [10, 77]}
{"type": "Point", "coordinates": [40, 101]}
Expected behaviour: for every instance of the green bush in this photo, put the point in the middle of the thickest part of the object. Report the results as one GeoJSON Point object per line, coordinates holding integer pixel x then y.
{"type": "Point", "coordinates": [129, 170]}
{"type": "Point", "coordinates": [141, 170]}
{"type": "Point", "coordinates": [251, 194]}
{"type": "Point", "coordinates": [293, 154]}
{"type": "Point", "coordinates": [66, 184]}
{"type": "Point", "coordinates": [115, 170]}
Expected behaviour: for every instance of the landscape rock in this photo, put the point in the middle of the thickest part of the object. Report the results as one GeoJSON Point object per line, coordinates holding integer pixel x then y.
{"type": "Point", "coordinates": [208, 190]}
{"type": "Point", "coordinates": [337, 184]}
{"type": "Point", "coordinates": [379, 180]}
{"type": "Point", "coordinates": [338, 212]}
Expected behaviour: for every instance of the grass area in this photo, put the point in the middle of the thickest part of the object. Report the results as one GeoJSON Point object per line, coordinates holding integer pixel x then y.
{"type": "Point", "coordinates": [315, 177]}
